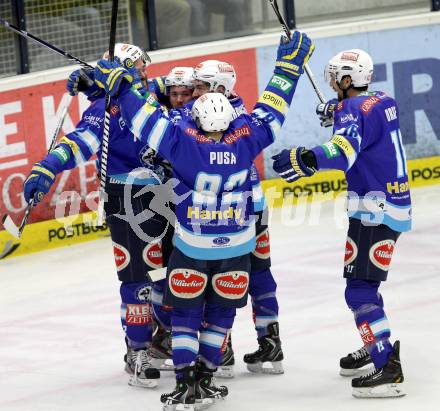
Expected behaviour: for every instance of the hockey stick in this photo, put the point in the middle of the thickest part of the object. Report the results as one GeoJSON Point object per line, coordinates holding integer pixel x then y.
{"type": "Point", "coordinates": [8, 224]}
{"type": "Point", "coordinates": [41, 42]}
{"type": "Point", "coordinates": [106, 133]}
{"type": "Point", "coordinates": [286, 29]}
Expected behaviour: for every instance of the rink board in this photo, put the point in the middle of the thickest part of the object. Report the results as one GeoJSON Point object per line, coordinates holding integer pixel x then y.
{"type": "Point", "coordinates": [327, 185]}
{"type": "Point", "coordinates": [323, 186]}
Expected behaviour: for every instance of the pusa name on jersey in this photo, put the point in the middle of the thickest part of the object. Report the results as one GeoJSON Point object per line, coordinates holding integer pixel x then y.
{"type": "Point", "coordinates": [215, 179]}
{"type": "Point", "coordinates": [367, 146]}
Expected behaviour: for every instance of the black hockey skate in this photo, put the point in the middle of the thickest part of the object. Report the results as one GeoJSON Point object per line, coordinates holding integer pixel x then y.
{"type": "Point", "coordinates": [355, 362]}
{"type": "Point", "coordinates": [206, 390]}
{"type": "Point", "coordinates": [183, 396]}
{"type": "Point", "coordinates": [269, 351]}
{"type": "Point", "coordinates": [161, 351]}
{"type": "Point", "coordinates": [226, 367]}
{"type": "Point", "coordinates": [138, 365]}
{"type": "Point", "coordinates": [382, 382]}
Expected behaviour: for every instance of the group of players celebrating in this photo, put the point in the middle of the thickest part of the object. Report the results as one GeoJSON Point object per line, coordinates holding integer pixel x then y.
{"type": "Point", "coordinates": [183, 193]}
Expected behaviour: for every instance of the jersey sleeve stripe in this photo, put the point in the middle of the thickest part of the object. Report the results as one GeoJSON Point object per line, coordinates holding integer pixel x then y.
{"type": "Point", "coordinates": [156, 135]}
{"type": "Point", "coordinates": [141, 118]}
{"type": "Point", "coordinates": [347, 149]}
{"type": "Point", "coordinates": [90, 139]}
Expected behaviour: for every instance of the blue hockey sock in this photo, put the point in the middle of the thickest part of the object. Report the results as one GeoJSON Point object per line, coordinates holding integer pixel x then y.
{"type": "Point", "coordinates": [262, 289]}
{"type": "Point", "coordinates": [365, 301]}
{"type": "Point", "coordinates": [185, 326]}
{"type": "Point", "coordinates": [162, 313]}
{"type": "Point", "coordinates": [136, 314]}
{"type": "Point", "coordinates": [217, 320]}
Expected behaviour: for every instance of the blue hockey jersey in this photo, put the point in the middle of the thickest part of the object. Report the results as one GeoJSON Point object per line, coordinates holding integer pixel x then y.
{"type": "Point", "coordinates": [125, 153]}
{"type": "Point", "coordinates": [367, 146]}
{"type": "Point", "coordinates": [236, 101]}
{"type": "Point", "coordinates": [214, 213]}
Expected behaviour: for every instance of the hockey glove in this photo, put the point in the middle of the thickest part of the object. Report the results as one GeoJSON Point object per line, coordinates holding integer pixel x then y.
{"type": "Point", "coordinates": [110, 76]}
{"type": "Point", "coordinates": [293, 54]}
{"type": "Point", "coordinates": [290, 165]}
{"type": "Point", "coordinates": [38, 183]}
{"type": "Point", "coordinates": [325, 112]}
{"type": "Point", "coordinates": [81, 81]}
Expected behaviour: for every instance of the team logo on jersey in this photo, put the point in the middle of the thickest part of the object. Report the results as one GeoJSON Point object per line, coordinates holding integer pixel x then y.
{"type": "Point", "coordinates": [232, 285]}
{"type": "Point", "coordinates": [143, 293]}
{"type": "Point", "coordinates": [351, 251]}
{"type": "Point", "coordinates": [262, 249]}
{"type": "Point", "coordinates": [122, 256]}
{"type": "Point", "coordinates": [138, 314]}
{"type": "Point", "coordinates": [369, 103]}
{"type": "Point", "coordinates": [187, 284]}
{"type": "Point", "coordinates": [366, 333]}
{"type": "Point", "coordinates": [381, 254]}
{"type": "Point", "coordinates": [152, 255]}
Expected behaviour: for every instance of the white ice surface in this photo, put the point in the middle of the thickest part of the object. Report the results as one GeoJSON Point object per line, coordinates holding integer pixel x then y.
{"type": "Point", "coordinates": [61, 345]}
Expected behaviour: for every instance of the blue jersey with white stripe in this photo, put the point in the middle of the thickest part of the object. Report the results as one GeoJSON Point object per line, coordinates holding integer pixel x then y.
{"type": "Point", "coordinates": [367, 146]}
{"type": "Point", "coordinates": [236, 101]}
{"type": "Point", "coordinates": [125, 153]}
{"type": "Point", "coordinates": [214, 183]}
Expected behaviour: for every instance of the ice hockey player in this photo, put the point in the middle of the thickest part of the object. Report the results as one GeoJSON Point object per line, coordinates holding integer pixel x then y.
{"type": "Point", "coordinates": [219, 76]}
{"type": "Point", "coordinates": [367, 146]}
{"type": "Point", "coordinates": [209, 266]}
{"type": "Point", "coordinates": [128, 163]}
{"type": "Point", "coordinates": [177, 92]}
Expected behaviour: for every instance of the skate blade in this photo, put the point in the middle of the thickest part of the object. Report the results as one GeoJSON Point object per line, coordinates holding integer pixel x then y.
{"type": "Point", "coordinates": [225, 372]}
{"type": "Point", "coordinates": [381, 391]}
{"type": "Point", "coordinates": [163, 364]}
{"type": "Point", "coordinates": [178, 407]}
{"type": "Point", "coordinates": [143, 383]}
{"type": "Point", "coordinates": [357, 372]}
{"type": "Point", "coordinates": [259, 368]}
{"type": "Point", "coordinates": [203, 404]}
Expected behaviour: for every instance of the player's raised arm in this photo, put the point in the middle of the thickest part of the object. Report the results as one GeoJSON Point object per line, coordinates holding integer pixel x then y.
{"type": "Point", "coordinates": [143, 114]}
{"type": "Point", "coordinates": [274, 102]}
{"type": "Point", "coordinates": [350, 80]}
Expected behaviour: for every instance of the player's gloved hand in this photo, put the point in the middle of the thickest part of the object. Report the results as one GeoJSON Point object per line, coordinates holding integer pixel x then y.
{"type": "Point", "coordinates": [39, 181]}
{"type": "Point", "coordinates": [325, 112]}
{"type": "Point", "coordinates": [290, 165]}
{"type": "Point", "coordinates": [82, 81]}
{"type": "Point", "coordinates": [293, 54]}
{"type": "Point", "coordinates": [110, 76]}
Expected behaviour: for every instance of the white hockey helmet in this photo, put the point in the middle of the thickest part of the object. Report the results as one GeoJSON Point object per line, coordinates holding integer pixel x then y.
{"type": "Point", "coordinates": [179, 76]}
{"type": "Point", "coordinates": [212, 112]}
{"type": "Point", "coordinates": [355, 63]}
{"type": "Point", "coordinates": [216, 73]}
{"type": "Point", "coordinates": [128, 54]}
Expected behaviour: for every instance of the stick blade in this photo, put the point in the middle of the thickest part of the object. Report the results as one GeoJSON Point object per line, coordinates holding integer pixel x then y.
{"type": "Point", "coordinates": [10, 226]}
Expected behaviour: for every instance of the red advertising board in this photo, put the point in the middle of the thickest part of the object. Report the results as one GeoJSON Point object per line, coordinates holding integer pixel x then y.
{"type": "Point", "coordinates": [28, 117]}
